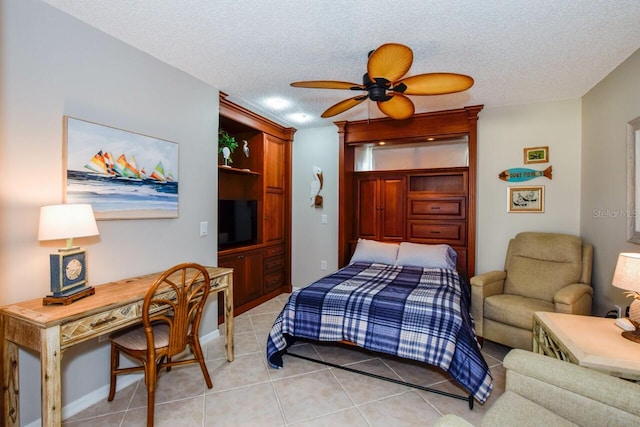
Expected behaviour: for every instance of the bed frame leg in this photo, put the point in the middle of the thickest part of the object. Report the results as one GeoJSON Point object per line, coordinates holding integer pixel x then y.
{"type": "Point", "coordinates": [470, 403]}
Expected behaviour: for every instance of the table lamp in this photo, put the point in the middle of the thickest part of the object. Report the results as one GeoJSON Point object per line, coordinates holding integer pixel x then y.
{"type": "Point", "coordinates": [69, 265]}
{"type": "Point", "coordinates": [627, 276]}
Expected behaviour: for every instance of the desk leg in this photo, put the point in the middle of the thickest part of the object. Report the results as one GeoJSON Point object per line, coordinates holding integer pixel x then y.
{"type": "Point", "coordinates": [9, 403]}
{"type": "Point", "coordinates": [228, 321]}
{"type": "Point", "coordinates": [51, 377]}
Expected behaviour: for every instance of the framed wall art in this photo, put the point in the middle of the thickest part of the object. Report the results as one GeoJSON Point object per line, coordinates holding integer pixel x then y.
{"type": "Point", "coordinates": [536, 155]}
{"type": "Point", "coordinates": [525, 199]}
{"type": "Point", "coordinates": [122, 174]}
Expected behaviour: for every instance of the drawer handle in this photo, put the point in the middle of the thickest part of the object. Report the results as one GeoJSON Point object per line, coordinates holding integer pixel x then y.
{"type": "Point", "coordinates": [433, 208]}
{"type": "Point", "coordinates": [435, 232]}
{"type": "Point", "coordinates": [103, 321]}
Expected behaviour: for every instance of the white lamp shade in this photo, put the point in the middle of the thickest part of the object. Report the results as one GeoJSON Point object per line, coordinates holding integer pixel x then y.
{"type": "Point", "coordinates": [66, 222]}
{"type": "Point", "coordinates": [627, 273]}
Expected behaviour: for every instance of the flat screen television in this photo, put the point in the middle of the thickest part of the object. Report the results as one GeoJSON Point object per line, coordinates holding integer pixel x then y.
{"type": "Point", "coordinates": [237, 222]}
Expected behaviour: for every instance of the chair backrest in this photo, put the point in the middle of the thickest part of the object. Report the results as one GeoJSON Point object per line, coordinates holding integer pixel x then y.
{"type": "Point", "coordinates": [539, 264]}
{"type": "Point", "coordinates": [176, 299]}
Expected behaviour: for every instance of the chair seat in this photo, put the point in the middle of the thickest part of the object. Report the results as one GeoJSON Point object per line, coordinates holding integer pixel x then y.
{"type": "Point", "coordinates": [514, 310]}
{"type": "Point", "coordinates": [135, 339]}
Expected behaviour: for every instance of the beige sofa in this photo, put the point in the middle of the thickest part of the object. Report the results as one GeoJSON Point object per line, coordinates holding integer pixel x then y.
{"type": "Point", "coordinates": [543, 272]}
{"type": "Point", "coordinates": [542, 391]}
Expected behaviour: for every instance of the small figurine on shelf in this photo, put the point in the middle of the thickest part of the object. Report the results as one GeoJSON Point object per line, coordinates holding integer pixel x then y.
{"type": "Point", "coordinates": [226, 145]}
{"type": "Point", "coordinates": [245, 148]}
{"type": "Point", "coordinates": [226, 153]}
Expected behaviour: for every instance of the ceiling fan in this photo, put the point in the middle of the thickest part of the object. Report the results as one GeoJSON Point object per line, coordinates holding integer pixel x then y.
{"type": "Point", "coordinates": [382, 81]}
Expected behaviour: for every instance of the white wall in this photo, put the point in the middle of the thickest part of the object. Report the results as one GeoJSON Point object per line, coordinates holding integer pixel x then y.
{"type": "Point", "coordinates": [54, 65]}
{"type": "Point", "coordinates": [606, 109]}
{"type": "Point", "coordinates": [313, 241]}
{"type": "Point", "coordinates": [503, 133]}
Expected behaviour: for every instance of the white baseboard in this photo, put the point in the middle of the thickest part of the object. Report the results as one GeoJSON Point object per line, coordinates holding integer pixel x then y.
{"type": "Point", "coordinates": [102, 393]}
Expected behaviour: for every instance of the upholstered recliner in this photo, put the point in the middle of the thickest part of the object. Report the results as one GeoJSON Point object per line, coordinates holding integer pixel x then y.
{"type": "Point", "coordinates": [543, 272]}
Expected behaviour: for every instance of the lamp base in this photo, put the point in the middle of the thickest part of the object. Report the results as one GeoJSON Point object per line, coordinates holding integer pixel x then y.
{"type": "Point", "coordinates": [69, 298]}
{"type": "Point", "coordinates": [632, 335]}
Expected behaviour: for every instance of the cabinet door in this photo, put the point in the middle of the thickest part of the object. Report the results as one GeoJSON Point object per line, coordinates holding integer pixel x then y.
{"type": "Point", "coordinates": [393, 191]}
{"type": "Point", "coordinates": [273, 230]}
{"type": "Point", "coordinates": [247, 275]}
{"type": "Point", "coordinates": [274, 163]}
{"type": "Point", "coordinates": [367, 208]}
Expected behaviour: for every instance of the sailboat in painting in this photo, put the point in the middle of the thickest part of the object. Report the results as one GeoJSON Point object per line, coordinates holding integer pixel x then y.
{"type": "Point", "coordinates": [100, 164]}
{"type": "Point", "coordinates": [158, 173]}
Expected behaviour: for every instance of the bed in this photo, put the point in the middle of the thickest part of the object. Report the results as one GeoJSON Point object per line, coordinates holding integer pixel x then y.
{"type": "Point", "coordinates": [405, 300]}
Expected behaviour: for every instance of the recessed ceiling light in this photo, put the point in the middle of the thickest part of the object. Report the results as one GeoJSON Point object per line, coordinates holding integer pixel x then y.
{"type": "Point", "coordinates": [277, 103]}
{"type": "Point", "coordinates": [299, 117]}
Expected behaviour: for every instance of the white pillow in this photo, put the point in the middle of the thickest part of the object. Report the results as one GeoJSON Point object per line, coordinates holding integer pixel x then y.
{"type": "Point", "coordinates": [426, 256]}
{"type": "Point", "coordinates": [372, 251]}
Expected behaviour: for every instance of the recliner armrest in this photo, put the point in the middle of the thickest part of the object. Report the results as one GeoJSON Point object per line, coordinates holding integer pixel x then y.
{"type": "Point", "coordinates": [574, 299]}
{"type": "Point", "coordinates": [572, 293]}
{"type": "Point", "coordinates": [482, 286]}
{"type": "Point", "coordinates": [491, 282]}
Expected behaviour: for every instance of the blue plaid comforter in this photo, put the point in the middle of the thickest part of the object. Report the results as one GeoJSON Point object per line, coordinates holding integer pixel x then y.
{"type": "Point", "coordinates": [410, 312]}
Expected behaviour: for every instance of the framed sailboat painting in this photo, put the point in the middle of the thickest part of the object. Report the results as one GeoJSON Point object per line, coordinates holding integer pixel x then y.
{"type": "Point", "coordinates": [122, 174]}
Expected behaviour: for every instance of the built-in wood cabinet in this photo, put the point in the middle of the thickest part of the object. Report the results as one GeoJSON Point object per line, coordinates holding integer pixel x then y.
{"type": "Point", "coordinates": [434, 205]}
{"type": "Point", "coordinates": [417, 206]}
{"type": "Point", "coordinates": [380, 202]}
{"type": "Point", "coordinates": [262, 268]}
{"type": "Point", "coordinates": [247, 275]}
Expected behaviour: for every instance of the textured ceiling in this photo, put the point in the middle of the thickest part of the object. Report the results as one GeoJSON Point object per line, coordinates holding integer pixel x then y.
{"type": "Point", "coordinates": [518, 52]}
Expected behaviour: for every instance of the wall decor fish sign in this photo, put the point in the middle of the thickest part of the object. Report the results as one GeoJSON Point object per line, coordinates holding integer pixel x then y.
{"type": "Point", "coordinates": [523, 174]}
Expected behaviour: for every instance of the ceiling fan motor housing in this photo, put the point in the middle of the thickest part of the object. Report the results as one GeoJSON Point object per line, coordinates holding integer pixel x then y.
{"type": "Point", "coordinates": [377, 88]}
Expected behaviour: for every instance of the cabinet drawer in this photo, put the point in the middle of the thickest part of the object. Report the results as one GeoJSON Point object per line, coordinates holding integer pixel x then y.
{"type": "Point", "coordinates": [99, 323]}
{"type": "Point", "coordinates": [451, 208]}
{"type": "Point", "coordinates": [273, 280]}
{"type": "Point", "coordinates": [453, 232]}
{"type": "Point", "coordinates": [273, 263]}
{"type": "Point", "coordinates": [273, 250]}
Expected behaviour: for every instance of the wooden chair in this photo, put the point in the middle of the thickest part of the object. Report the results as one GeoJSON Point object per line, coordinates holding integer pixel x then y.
{"type": "Point", "coordinates": [171, 314]}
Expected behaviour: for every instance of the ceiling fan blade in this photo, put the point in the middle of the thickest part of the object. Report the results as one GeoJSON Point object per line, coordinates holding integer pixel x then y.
{"type": "Point", "coordinates": [343, 106]}
{"type": "Point", "coordinates": [434, 84]}
{"type": "Point", "coordinates": [390, 61]}
{"type": "Point", "coordinates": [327, 84]}
{"type": "Point", "coordinates": [399, 107]}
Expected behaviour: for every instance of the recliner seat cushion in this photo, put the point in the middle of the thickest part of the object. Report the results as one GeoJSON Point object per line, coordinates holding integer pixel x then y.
{"type": "Point", "coordinates": [514, 309]}
{"type": "Point", "coordinates": [542, 263]}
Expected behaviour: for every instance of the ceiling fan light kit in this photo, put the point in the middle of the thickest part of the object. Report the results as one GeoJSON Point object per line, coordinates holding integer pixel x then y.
{"type": "Point", "coordinates": [385, 67]}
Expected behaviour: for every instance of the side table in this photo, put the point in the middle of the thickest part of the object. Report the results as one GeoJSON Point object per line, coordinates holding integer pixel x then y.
{"type": "Point", "coordinates": [593, 342]}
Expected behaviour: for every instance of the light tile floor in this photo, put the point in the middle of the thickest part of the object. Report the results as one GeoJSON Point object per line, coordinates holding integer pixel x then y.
{"type": "Point", "coordinates": [248, 393]}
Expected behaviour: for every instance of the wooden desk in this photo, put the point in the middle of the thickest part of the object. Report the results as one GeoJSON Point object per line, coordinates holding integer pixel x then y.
{"type": "Point", "coordinates": [52, 329]}
{"type": "Point", "coordinates": [593, 342]}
